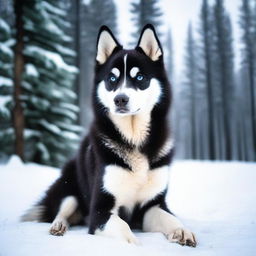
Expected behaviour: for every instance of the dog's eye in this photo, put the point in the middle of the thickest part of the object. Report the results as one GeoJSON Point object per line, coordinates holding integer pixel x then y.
{"type": "Point", "coordinates": [139, 77]}
{"type": "Point", "coordinates": [112, 79]}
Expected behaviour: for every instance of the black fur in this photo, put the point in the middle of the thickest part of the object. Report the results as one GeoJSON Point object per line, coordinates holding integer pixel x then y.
{"type": "Point", "coordinates": [82, 176]}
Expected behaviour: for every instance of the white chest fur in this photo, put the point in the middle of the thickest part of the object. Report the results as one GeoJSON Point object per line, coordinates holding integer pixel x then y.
{"type": "Point", "coordinates": [137, 186]}
{"type": "Point", "coordinates": [134, 128]}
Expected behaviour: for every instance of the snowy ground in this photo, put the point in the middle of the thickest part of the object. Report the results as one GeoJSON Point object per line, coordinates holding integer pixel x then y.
{"type": "Point", "coordinates": [215, 200]}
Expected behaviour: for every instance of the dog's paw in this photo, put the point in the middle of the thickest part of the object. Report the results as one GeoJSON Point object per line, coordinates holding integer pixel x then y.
{"type": "Point", "coordinates": [59, 227]}
{"type": "Point", "coordinates": [132, 239]}
{"type": "Point", "coordinates": [183, 237]}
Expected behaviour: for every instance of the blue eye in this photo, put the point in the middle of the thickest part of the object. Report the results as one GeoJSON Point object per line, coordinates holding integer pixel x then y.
{"type": "Point", "coordinates": [112, 78]}
{"type": "Point", "coordinates": [140, 77]}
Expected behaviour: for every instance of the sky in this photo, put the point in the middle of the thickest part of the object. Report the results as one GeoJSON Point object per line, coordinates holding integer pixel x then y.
{"type": "Point", "coordinates": [178, 14]}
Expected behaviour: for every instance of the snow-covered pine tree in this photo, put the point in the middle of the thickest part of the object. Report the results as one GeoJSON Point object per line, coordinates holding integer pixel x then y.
{"type": "Point", "coordinates": [50, 115]}
{"type": "Point", "coordinates": [75, 19]}
{"type": "Point", "coordinates": [248, 29]}
{"type": "Point", "coordinates": [94, 14]}
{"type": "Point", "coordinates": [18, 112]}
{"type": "Point", "coordinates": [144, 12]}
{"type": "Point", "coordinates": [6, 90]}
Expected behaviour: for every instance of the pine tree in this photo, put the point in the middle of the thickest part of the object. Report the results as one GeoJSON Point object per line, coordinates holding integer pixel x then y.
{"type": "Point", "coordinates": [169, 56]}
{"type": "Point", "coordinates": [168, 49]}
{"type": "Point", "coordinates": [144, 12]}
{"type": "Point", "coordinates": [247, 24]}
{"type": "Point", "coordinates": [50, 114]}
{"type": "Point", "coordinates": [243, 116]}
{"type": "Point", "coordinates": [18, 109]}
{"type": "Point", "coordinates": [95, 14]}
{"type": "Point", "coordinates": [191, 83]}
{"type": "Point", "coordinates": [224, 79]}
{"type": "Point", "coordinates": [6, 11]}
{"type": "Point", "coordinates": [6, 90]}
{"type": "Point", "coordinates": [207, 70]}
{"type": "Point", "coordinates": [254, 26]}
{"type": "Point", "coordinates": [75, 19]}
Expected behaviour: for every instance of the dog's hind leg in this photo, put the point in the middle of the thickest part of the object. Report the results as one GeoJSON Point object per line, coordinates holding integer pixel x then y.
{"type": "Point", "coordinates": [67, 208]}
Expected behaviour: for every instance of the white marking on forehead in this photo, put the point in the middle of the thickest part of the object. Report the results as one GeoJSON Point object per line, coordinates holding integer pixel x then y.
{"type": "Point", "coordinates": [134, 71]}
{"type": "Point", "coordinates": [125, 68]}
{"type": "Point", "coordinates": [116, 72]}
{"type": "Point", "coordinates": [125, 64]}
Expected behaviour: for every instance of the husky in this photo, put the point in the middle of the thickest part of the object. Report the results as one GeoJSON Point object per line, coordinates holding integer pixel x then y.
{"type": "Point", "coordinates": [118, 180]}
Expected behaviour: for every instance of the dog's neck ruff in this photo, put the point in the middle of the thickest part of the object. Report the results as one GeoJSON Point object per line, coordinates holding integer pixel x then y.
{"type": "Point", "coordinates": [133, 128]}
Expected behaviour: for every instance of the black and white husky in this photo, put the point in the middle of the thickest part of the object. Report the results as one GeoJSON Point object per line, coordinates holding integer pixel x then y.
{"type": "Point", "coordinates": [119, 178]}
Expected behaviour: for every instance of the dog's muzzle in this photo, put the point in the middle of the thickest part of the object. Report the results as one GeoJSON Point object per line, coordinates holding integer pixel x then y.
{"type": "Point", "coordinates": [121, 102]}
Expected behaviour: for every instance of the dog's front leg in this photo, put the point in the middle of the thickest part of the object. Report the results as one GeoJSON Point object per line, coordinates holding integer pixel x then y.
{"type": "Point", "coordinates": [159, 220]}
{"type": "Point", "coordinates": [105, 221]}
{"type": "Point", "coordinates": [117, 228]}
{"type": "Point", "coordinates": [114, 227]}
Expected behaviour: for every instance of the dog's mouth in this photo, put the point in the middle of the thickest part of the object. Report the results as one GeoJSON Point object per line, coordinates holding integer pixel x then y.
{"type": "Point", "coordinates": [126, 111]}
{"type": "Point", "coordinates": [122, 110]}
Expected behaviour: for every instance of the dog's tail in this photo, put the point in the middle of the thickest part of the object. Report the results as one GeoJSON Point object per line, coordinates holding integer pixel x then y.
{"type": "Point", "coordinates": [35, 213]}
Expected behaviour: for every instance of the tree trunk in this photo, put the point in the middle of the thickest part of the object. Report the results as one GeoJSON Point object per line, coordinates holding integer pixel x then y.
{"type": "Point", "coordinates": [253, 106]}
{"type": "Point", "coordinates": [209, 84]}
{"type": "Point", "coordinates": [78, 82]}
{"type": "Point", "coordinates": [18, 116]}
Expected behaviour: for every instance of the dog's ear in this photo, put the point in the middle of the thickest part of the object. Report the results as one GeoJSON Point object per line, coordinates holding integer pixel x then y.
{"type": "Point", "coordinates": [106, 44]}
{"type": "Point", "coordinates": [150, 43]}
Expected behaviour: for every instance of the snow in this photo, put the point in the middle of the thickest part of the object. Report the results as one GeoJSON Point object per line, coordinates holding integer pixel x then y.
{"type": "Point", "coordinates": [65, 112]}
{"type": "Point", "coordinates": [29, 133]}
{"type": "Point", "coordinates": [41, 103]}
{"type": "Point", "coordinates": [31, 70]}
{"type": "Point", "coordinates": [50, 58]}
{"type": "Point", "coordinates": [27, 85]}
{"type": "Point", "coordinates": [44, 151]}
{"type": "Point", "coordinates": [69, 93]}
{"type": "Point", "coordinates": [53, 28]}
{"type": "Point", "coordinates": [50, 127]}
{"type": "Point", "coordinates": [4, 81]}
{"type": "Point", "coordinates": [56, 130]}
{"type": "Point", "coordinates": [214, 199]}
{"type": "Point", "coordinates": [6, 132]}
{"type": "Point", "coordinates": [70, 127]}
{"type": "Point", "coordinates": [59, 62]}
{"type": "Point", "coordinates": [51, 8]}
{"type": "Point", "coordinates": [4, 26]}
{"type": "Point", "coordinates": [5, 47]}
{"type": "Point", "coordinates": [70, 135]}
{"type": "Point", "coordinates": [69, 106]}
{"type": "Point", "coordinates": [86, 2]}
{"type": "Point", "coordinates": [65, 51]}
{"type": "Point", "coordinates": [3, 102]}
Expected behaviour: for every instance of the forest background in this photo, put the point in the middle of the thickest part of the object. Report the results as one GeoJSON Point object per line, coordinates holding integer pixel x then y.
{"type": "Point", "coordinates": [47, 57]}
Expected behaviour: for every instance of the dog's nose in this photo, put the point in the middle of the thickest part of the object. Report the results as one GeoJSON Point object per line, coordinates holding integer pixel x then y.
{"type": "Point", "coordinates": [121, 100]}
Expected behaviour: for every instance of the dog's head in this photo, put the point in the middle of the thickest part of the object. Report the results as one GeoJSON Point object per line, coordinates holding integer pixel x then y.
{"type": "Point", "coordinates": [129, 81]}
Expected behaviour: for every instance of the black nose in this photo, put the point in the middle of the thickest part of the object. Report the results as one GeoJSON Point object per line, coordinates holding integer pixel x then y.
{"type": "Point", "coordinates": [121, 100]}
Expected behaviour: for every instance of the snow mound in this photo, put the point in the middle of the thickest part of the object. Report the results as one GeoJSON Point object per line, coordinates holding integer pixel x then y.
{"type": "Point", "coordinates": [15, 162]}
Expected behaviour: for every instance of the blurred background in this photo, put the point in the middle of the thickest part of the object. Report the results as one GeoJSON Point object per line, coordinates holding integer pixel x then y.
{"type": "Point", "coordinates": [47, 56]}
